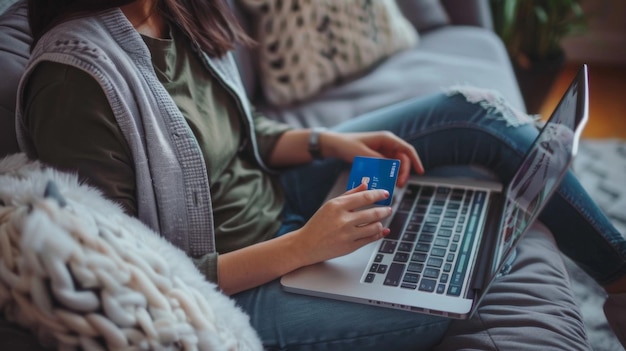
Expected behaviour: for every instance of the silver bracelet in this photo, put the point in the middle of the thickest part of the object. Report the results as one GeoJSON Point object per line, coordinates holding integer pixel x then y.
{"type": "Point", "coordinates": [315, 149]}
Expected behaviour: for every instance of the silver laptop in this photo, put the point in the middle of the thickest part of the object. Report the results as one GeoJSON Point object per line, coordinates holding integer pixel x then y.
{"type": "Point", "coordinates": [450, 238]}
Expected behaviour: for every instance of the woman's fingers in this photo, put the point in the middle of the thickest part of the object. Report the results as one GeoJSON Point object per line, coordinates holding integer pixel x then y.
{"type": "Point", "coordinates": [358, 189]}
{"type": "Point", "coordinates": [370, 215]}
{"type": "Point", "coordinates": [360, 197]}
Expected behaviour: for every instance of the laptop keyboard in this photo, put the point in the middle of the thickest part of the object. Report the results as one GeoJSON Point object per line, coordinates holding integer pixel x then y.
{"type": "Point", "coordinates": [431, 239]}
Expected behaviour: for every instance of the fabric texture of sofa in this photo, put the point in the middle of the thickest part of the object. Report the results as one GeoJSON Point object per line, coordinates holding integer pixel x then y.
{"type": "Point", "coordinates": [456, 47]}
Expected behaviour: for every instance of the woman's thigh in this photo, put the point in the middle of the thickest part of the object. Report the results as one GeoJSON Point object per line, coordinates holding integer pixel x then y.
{"type": "Point", "coordinates": [299, 322]}
{"type": "Point", "coordinates": [456, 129]}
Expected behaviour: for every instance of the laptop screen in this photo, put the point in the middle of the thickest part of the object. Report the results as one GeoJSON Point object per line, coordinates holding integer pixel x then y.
{"type": "Point", "coordinates": [543, 167]}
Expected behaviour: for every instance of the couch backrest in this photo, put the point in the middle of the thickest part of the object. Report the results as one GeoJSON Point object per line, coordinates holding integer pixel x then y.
{"type": "Point", "coordinates": [15, 40]}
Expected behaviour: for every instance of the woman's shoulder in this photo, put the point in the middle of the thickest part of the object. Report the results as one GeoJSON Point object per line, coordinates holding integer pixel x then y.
{"type": "Point", "coordinates": [98, 36]}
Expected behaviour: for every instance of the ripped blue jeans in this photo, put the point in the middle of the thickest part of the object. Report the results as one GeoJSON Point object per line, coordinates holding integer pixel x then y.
{"type": "Point", "coordinates": [463, 127]}
{"type": "Point", "coordinates": [470, 126]}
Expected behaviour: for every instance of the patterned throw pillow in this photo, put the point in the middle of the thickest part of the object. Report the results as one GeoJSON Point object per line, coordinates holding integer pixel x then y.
{"type": "Point", "coordinates": [307, 45]}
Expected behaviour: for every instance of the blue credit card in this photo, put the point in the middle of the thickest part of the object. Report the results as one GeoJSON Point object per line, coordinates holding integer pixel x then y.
{"type": "Point", "coordinates": [377, 173]}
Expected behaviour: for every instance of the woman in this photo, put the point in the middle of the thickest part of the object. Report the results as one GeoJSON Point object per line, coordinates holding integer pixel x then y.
{"type": "Point", "coordinates": [144, 103]}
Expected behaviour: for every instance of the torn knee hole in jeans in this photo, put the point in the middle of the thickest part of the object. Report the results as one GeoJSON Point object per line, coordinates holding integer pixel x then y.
{"type": "Point", "coordinates": [492, 101]}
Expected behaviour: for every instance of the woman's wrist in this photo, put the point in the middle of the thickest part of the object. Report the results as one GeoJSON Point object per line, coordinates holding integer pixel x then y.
{"type": "Point", "coordinates": [315, 143]}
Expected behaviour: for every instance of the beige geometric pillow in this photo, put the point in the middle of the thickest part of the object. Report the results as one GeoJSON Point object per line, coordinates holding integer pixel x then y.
{"type": "Point", "coordinates": [307, 45]}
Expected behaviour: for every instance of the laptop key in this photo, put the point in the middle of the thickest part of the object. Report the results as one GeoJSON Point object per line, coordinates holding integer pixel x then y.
{"type": "Point", "coordinates": [388, 246]}
{"type": "Point", "coordinates": [401, 257]}
{"type": "Point", "coordinates": [408, 286]}
{"type": "Point", "coordinates": [442, 242]}
{"type": "Point", "coordinates": [405, 247]}
{"type": "Point", "coordinates": [413, 228]}
{"type": "Point", "coordinates": [411, 278]}
{"type": "Point", "coordinates": [405, 206]}
{"type": "Point", "coordinates": [410, 237]}
{"type": "Point", "coordinates": [454, 205]}
{"type": "Point", "coordinates": [397, 225]}
{"type": "Point", "coordinates": [418, 257]}
{"type": "Point", "coordinates": [441, 288]}
{"type": "Point", "coordinates": [428, 190]}
{"type": "Point", "coordinates": [427, 285]}
{"type": "Point", "coordinates": [420, 210]}
{"type": "Point", "coordinates": [451, 214]}
{"type": "Point", "coordinates": [417, 218]}
{"type": "Point", "coordinates": [422, 247]}
{"type": "Point", "coordinates": [415, 267]}
{"type": "Point", "coordinates": [374, 268]}
{"type": "Point", "coordinates": [438, 252]}
{"type": "Point", "coordinates": [447, 223]}
{"type": "Point", "coordinates": [431, 273]}
{"type": "Point", "coordinates": [431, 229]}
{"type": "Point", "coordinates": [426, 238]}
{"type": "Point", "coordinates": [431, 220]}
{"type": "Point", "coordinates": [370, 277]}
{"type": "Point", "coordinates": [435, 211]}
{"type": "Point", "coordinates": [394, 274]}
{"type": "Point", "coordinates": [454, 290]}
{"type": "Point", "coordinates": [434, 262]}
{"type": "Point", "coordinates": [446, 233]}
{"type": "Point", "coordinates": [443, 190]}
{"type": "Point", "coordinates": [382, 268]}
{"type": "Point", "coordinates": [412, 190]}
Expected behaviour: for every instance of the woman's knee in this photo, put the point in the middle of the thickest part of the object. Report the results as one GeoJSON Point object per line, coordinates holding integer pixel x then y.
{"type": "Point", "coordinates": [492, 102]}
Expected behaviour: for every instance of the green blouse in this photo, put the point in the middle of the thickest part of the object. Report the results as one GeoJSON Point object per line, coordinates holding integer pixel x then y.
{"type": "Point", "coordinates": [72, 124]}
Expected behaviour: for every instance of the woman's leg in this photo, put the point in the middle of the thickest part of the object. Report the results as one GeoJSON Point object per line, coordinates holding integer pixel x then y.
{"type": "Point", "coordinates": [287, 321]}
{"type": "Point", "coordinates": [447, 129]}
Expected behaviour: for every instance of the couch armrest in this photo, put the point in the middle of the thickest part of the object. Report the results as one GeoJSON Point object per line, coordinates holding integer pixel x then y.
{"type": "Point", "coordinates": [469, 12]}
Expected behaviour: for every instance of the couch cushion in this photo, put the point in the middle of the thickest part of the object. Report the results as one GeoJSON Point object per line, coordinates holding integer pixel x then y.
{"type": "Point", "coordinates": [447, 56]}
{"type": "Point", "coordinates": [15, 42]}
{"type": "Point", "coordinates": [307, 46]}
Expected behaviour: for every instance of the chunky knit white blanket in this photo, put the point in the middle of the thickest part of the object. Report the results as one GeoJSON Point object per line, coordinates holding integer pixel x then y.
{"type": "Point", "coordinates": [82, 275]}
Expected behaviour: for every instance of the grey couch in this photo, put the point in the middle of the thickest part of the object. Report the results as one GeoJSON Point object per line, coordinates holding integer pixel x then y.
{"type": "Point", "coordinates": [457, 46]}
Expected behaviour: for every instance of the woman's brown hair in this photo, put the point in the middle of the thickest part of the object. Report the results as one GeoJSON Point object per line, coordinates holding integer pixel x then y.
{"type": "Point", "coordinates": [209, 23]}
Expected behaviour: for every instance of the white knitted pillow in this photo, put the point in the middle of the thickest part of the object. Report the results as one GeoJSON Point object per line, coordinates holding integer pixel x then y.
{"type": "Point", "coordinates": [307, 45]}
{"type": "Point", "coordinates": [82, 275]}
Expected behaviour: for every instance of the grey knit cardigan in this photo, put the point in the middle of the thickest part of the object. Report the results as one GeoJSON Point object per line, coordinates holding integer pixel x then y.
{"type": "Point", "coordinates": [172, 183]}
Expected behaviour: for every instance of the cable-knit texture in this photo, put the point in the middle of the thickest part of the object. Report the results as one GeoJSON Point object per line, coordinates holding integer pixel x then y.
{"type": "Point", "coordinates": [83, 275]}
